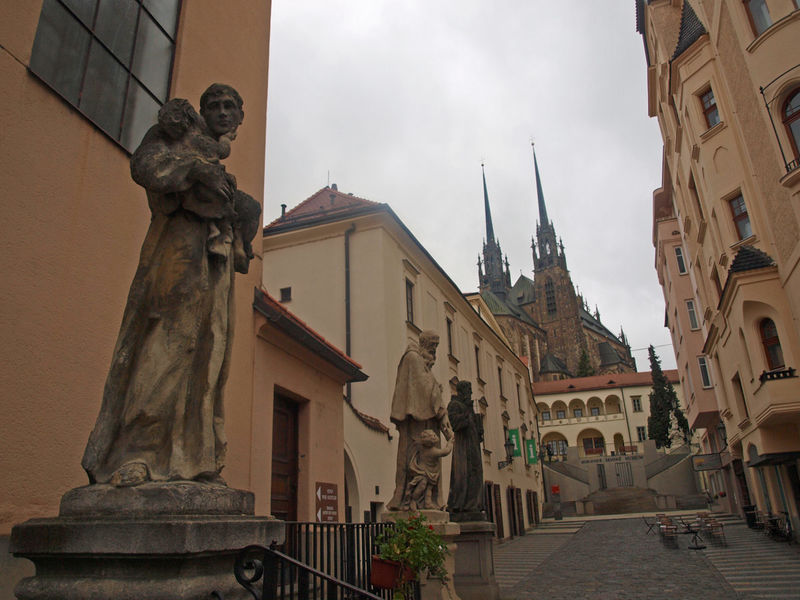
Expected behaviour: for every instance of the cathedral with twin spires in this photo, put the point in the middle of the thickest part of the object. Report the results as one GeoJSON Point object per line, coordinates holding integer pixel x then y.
{"type": "Point", "coordinates": [545, 321]}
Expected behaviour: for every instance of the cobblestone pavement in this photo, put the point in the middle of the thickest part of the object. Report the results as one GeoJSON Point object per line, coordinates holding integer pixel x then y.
{"type": "Point", "coordinates": [752, 562]}
{"type": "Point", "coordinates": [609, 560]}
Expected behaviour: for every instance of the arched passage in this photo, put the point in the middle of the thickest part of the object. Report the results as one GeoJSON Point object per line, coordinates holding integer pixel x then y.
{"type": "Point", "coordinates": [555, 445]}
{"type": "Point", "coordinates": [591, 442]}
{"type": "Point", "coordinates": [352, 507]}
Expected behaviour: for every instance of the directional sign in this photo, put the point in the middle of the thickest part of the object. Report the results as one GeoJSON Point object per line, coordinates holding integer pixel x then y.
{"type": "Point", "coordinates": [327, 502]}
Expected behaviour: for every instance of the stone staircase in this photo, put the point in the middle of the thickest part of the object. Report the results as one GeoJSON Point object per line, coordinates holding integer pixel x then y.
{"type": "Point", "coordinates": [614, 501]}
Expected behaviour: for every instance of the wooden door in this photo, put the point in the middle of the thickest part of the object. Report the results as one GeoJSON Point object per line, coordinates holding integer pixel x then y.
{"type": "Point", "coordinates": [283, 499]}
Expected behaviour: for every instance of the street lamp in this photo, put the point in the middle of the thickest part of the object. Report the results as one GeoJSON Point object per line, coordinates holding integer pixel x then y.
{"type": "Point", "coordinates": [509, 446]}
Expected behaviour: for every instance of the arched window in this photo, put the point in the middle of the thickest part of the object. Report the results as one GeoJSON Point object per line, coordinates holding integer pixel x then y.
{"type": "Point", "coordinates": [550, 296]}
{"type": "Point", "coordinates": [772, 345]}
{"type": "Point", "coordinates": [791, 120]}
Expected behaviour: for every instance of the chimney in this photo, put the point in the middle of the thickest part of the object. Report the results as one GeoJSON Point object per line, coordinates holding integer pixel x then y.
{"type": "Point", "coordinates": [283, 210]}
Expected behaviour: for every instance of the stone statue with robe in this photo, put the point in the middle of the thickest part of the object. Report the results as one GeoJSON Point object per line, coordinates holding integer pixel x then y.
{"type": "Point", "coordinates": [466, 469]}
{"type": "Point", "coordinates": [161, 417]}
{"type": "Point", "coordinates": [416, 407]}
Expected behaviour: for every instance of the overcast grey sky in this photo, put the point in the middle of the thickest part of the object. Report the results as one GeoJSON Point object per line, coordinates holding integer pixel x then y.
{"type": "Point", "coordinates": [401, 101]}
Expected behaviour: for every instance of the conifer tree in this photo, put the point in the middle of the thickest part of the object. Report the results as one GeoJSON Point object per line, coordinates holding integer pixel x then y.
{"type": "Point", "coordinates": [585, 368]}
{"type": "Point", "coordinates": [663, 404]}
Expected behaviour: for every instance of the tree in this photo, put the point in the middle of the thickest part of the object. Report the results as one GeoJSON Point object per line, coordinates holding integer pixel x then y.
{"type": "Point", "coordinates": [663, 406]}
{"type": "Point", "coordinates": [585, 368]}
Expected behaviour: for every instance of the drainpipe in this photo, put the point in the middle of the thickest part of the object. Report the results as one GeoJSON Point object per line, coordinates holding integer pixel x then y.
{"type": "Point", "coordinates": [347, 344]}
{"type": "Point", "coordinates": [627, 422]}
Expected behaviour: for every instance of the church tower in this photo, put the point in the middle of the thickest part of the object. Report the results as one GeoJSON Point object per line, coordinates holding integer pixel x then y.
{"type": "Point", "coordinates": [494, 274]}
{"type": "Point", "coordinates": [556, 308]}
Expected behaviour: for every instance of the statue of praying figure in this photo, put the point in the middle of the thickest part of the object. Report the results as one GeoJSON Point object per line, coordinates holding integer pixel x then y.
{"type": "Point", "coordinates": [466, 469]}
{"type": "Point", "coordinates": [161, 417]}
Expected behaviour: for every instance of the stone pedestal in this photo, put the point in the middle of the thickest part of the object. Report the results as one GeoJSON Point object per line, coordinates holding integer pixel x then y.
{"type": "Point", "coordinates": [147, 551]}
{"type": "Point", "coordinates": [474, 562]}
{"type": "Point", "coordinates": [434, 589]}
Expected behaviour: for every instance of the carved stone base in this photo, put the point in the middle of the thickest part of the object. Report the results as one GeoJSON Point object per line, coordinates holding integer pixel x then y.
{"type": "Point", "coordinates": [462, 517]}
{"type": "Point", "coordinates": [176, 557]}
{"type": "Point", "coordinates": [474, 564]}
{"type": "Point", "coordinates": [156, 498]}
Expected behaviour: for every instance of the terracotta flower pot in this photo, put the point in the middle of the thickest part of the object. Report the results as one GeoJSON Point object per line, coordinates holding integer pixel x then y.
{"type": "Point", "coordinates": [388, 574]}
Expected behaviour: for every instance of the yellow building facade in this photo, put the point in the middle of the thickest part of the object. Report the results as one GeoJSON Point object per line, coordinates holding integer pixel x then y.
{"type": "Point", "coordinates": [724, 83]}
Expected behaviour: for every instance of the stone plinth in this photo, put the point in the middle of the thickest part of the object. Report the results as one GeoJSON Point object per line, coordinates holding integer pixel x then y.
{"type": "Point", "coordinates": [434, 589]}
{"type": "Point", "coordinates": [154, 541]}
{"type": "Point", "coordinates": [474, 562]}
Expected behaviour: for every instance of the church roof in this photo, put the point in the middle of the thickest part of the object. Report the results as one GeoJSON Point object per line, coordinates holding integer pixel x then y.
{"type": "Point", "coordinates": [328, 204]}
{"type": "Point", "coordinates": [523, 291]}
{"type": "Point", "coordinates": [500, 307]}
{"type": "Point", "coordinates": [691, 29]}
{"type": "Point", "coordinates": [552, 364]}
{"type": "Point", "coordinates": [588, 321]}
{"type": "Point", "coordinates": [608, 354]}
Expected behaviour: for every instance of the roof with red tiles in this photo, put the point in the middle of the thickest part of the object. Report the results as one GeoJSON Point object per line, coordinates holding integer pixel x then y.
{"type": "Point", "coordinates": [294, 325]}
{"type": "Point", "coordinates": [600, 382]}
{"type": "Point", "coordinates": [327, 203]}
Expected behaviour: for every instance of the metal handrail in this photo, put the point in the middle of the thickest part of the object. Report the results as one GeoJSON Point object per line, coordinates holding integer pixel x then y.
{"type": "Point", "coordinates": [255, 563]}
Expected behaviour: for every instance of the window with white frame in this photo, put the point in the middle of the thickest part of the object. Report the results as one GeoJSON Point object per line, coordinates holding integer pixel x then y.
{"type": "Point", "coordinates": [636, 401]}
{"type": "Point", "coordinates": [641, 433]}
{"type": "Point", "coordinates": [680, 260]}
{"type": "Point", "coordinates": [705, 374]}
{"type": "Point", "coordinates": [693, 322]}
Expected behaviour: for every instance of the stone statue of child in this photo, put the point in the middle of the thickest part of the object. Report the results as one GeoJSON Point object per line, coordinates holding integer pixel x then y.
{"type": "Point", "coordinates": [425, 471]}
{"type": "Point", "coordinates": [240, 220]}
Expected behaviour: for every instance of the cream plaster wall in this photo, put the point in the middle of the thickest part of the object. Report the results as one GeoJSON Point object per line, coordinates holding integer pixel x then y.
{"type": "Point", "coordinates": [74, 224]}
{"type": "Point", "coordinates": [382, 257]}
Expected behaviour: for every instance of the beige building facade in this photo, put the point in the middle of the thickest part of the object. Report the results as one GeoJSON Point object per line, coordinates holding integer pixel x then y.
{"type": "Point", "coordinates": [351, 267]}
{"type": "Point", "coordinates": [74, 227]}
{"type": "Point", "coordinates": [724, 83]}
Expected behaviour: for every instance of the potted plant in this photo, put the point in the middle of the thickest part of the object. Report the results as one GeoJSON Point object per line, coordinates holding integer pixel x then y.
{"type": "Point", "coordinates": [408, 549]}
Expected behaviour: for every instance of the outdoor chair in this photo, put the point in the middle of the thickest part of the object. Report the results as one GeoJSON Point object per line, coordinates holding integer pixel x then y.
{"type": "Point", "coordinates": [716, 530]}
{"type": "Point", "coordinates": [650, 524]}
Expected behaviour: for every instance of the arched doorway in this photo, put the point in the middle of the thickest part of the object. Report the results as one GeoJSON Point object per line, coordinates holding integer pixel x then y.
{"type": "Point", "coordinates": [352, 508]}
{"type": "Point", "coordinates": [555, 446]}
{"type": "Point", "coordinates": [591, 442]}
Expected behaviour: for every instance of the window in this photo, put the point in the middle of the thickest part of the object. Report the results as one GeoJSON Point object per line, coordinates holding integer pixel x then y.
{"type": "Point", "coordinates": [741, 402]}
{"type": "Point", "coordinates": [409, 301]}
{"type": "Point", "coordinates": [681, 262]}
{"type": "Point", "coordinates": [771, 343]}
{"type": "Point", "coordinates": [709, 108]}
{"type": "Point", "coordinates": [740, 217]}
{"type": "Point", "coordinates": [693, 323]}
{"type": "Point", "coordinates": [550, 296]}
{"type": "Point", "coordinates": [577, 412]}
{"type": "Point", "coordinates": [560, 414]}
{"type": "Point", "coordinates": [637, 403]}
{"type": "Point", "coordinates": [641, 433]}
{"type": "Point", "coordinates": [791, 120]}
{"type": "Point", "coordinates": [478, 361]}
{"type": "Point", "coordinates": [110, 60]}
{"type": "Point", "coordinates": [595, 411]}
{"type": "Point", "coordinates": [286, 294]}
{"type": "Point", "coordinates": [500, 379]}
{"type": "Point", "coordinates": [705, 376]}
{"type": "Point", "coordinates": [449, 327]}
{"type": "Point", "coordinates": [758, 13]}
{"type": "Point", "coordinates": [546, 415]}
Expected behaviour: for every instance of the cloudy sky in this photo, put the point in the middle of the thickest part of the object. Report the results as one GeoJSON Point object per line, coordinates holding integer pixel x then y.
{"type": "Point", "coordinates": [400, 102]}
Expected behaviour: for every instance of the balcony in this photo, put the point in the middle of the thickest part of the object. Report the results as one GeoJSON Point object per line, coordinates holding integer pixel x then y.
{"type": "Point", "coordinates": [775, 399]}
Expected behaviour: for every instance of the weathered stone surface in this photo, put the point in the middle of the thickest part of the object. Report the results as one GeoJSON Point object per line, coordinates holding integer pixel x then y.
{"type": "Point", "coordinates": [474, 562]}
{"type": "Point", "coordinates": [466, 470]}
{"type": "Point", "coordinates": [156, 499]}
{"type": "Point", "coordinates": [184, 558]}
{"type": "Point", "coordinates": [161, 417]}
{"type": "Point", "coordinates": [417, 407]}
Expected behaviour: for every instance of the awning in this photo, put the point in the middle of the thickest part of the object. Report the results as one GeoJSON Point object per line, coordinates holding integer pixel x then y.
{"type": "Point", "coordinates": [774, 458]}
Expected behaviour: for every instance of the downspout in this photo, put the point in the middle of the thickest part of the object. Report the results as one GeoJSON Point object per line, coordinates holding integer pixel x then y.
{"type": "Point", "coordinates": [627, 422]}
{"type": "Point", "coordinates": [347, 344]}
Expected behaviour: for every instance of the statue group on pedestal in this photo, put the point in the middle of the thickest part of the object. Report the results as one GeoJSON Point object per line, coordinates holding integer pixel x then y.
{"type": "Point", "coordinates": [421, 418]}
{"type": "Point", "coordinates": [162, 417]}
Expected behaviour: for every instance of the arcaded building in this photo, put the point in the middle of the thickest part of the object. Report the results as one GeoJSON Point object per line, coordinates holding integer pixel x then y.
{"type": "Point", "coordinates": [724, 83]}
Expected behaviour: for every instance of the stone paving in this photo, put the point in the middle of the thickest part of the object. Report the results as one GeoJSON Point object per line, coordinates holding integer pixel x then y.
{"type": "Point", "coordinates": [608, 560]}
